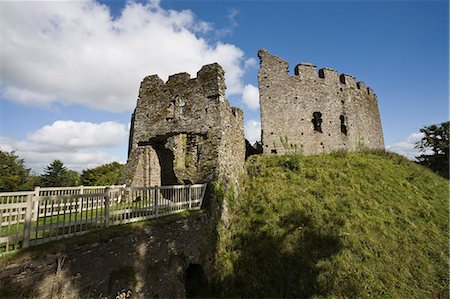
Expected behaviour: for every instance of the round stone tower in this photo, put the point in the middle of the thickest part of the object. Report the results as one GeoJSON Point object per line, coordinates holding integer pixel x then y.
{"type": "Point", "coordinates": [315, 111]}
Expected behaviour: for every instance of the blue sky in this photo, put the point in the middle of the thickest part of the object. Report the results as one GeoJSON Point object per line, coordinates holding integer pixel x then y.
{"type": "Point", "coordinates": [70, 71]}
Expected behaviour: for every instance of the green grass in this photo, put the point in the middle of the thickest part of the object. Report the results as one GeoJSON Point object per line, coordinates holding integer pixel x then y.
{"type": "Point", "coordinates": [341, 225]}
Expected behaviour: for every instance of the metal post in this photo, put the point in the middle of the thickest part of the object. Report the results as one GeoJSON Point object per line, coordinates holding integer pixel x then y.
{"type": "Point", "coordinates": [107, 200]}
{"type": "Point", "coordinates": [27, 226]}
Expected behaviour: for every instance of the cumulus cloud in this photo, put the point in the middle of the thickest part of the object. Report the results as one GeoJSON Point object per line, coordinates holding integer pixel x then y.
{"type": "Point", "coordinates": [79, 145]}
{"type": "Point", "coordinates": [407, 147]}
{"type": "Point", "coordinates": [77, 52]}
{"type": "Point", "coordinates": [252, 131]}
{"type": "Point", "coordinates": [67, 133]}
{"type": "Point", "coordinates": [250, 96]}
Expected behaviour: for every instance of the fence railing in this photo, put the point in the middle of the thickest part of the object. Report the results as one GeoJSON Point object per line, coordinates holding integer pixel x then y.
{"type": "Point", "coordinates": [34, 217]}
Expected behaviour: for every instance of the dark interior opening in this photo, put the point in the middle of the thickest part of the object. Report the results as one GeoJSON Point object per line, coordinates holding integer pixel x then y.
{"type": "Point", "coordinates": [166, 157]}
{"type": "Point", "coordinates": [321, 74]}
{"type": "Point", "coordinates": [196, 283]}
{"type": "Point", "coordinates": [273, 152]}
{"type": "Point", "coordinates": [317, 121]}
{"type": "Point", "coordinates": [343, 126]}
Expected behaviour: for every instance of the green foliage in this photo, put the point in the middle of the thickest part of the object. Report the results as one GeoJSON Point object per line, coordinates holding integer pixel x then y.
{"type": "Point", "coordinates": [57, 175]}
{"type": "Point", "coordinates": [370, 224]}
{"type": "Point", "coordinates": [288, 147]}
{"type": "Point", "coordinates": [360, 144]}
{"type": "Point", "coordinates": [436, 139]}
{"type": "Point", "coordinates": [104, 175]}
{"type": "Point", "coordinates": [14, 176]}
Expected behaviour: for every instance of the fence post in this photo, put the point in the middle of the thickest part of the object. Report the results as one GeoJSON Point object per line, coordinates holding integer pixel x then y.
{"type": "Point", "coordinates": [80, 201]}
{"type": "Point", "coordinates": [190, 196]}
{"type": "Point", "coordinates": [107, 200]}
{"type": "Point", "coordinates": [36, 203]}
{"type": "Point", "coordinates": [27, 226]}
{"type": "Point", "coordinates": [205, 185]}
{"type": "Point", "coordinates": [156, 202]}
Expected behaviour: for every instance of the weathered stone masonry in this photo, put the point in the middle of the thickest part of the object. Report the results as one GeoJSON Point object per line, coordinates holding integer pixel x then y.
{"type": "Point", "coordinates": [315, 111]}
{"type": "Point", "coordinates": [184, 131]}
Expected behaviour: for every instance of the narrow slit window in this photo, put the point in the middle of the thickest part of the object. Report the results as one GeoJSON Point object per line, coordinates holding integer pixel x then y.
{"type": "Point", "coordinates": [343, 125]}
{"type": "Point", "coordinates": [181, 107]}
{"type": "Point", "coordinates": [317, 121]}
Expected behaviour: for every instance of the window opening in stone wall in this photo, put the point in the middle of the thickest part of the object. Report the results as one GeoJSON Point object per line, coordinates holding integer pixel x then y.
{"type": "Point", "coordinates": [343, 126]}
{"type": "Point", "coordinates": [273, 152]}
{"type": "Point", "coordinates": [181, 105]}
{"type": "Point", "coordinates": [317, 121]}
{"type": "Point", "coordinates": [321, 74]}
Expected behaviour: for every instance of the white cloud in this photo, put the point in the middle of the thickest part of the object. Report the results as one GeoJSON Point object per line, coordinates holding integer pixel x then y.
{"type": "Point", "coordinates": [250, 63]}
{"type": "Point", "coordinates": [67, 133]}
{"type": "Point", "coordinates": [79, 145]}
{"type": "Point", "coordinates": [232, 23]}
{"type": "Point", "coordinates": [25, 96]}
{"type": "Point", "coordinates": [250, 96]}
{"type": "Point", "coordinates": [5, 147]}
{"type": "Point", "coordinates": [76, 52]}
{"type": "Point", "coordinates": [252, 131]}
{"type": "Point", "coordinates": [407, 147]}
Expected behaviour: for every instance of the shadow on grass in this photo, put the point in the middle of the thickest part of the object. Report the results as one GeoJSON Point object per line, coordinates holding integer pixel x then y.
{"type": "Point", "coordinates": [281, 265]}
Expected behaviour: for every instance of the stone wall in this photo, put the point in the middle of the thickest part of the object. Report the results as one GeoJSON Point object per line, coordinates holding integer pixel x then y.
{"type": "Point", "coordinates": [315, 111]}
{"type": "Point", "coordinates": [184, 131]}
{"type": "Point", "coordinates": [149, 261]}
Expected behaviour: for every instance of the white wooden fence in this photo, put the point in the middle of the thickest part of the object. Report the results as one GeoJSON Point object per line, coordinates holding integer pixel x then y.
{"type": "Point", "coordinates": [34, 217]}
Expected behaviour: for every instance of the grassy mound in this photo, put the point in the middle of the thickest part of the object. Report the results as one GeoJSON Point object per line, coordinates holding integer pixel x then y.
{"type": "Point", "coordinates": [352, 225]}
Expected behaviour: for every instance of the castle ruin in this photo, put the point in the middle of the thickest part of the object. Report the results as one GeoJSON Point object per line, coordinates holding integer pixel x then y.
{"type": "Point", "coordinates": [184, 131]}
{"type": "Point", "coordinates": [314, 111]}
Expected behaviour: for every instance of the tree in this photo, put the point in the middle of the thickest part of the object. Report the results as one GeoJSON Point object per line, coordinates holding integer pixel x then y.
{"type": "Point", "coordinates": [435, 139]}
{"type": "Point", "coordinates": [104, 175]}
{"type": "Point", "coordinates": [14, 176]}
{"type": "Point", "coordinates": [57, 175]}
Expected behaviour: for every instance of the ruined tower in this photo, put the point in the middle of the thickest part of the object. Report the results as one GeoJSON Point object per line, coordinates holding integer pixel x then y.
{"type": "Point", "coordinates": [184, 131]}
{"type": "Point", "coordinates": [315, 111]}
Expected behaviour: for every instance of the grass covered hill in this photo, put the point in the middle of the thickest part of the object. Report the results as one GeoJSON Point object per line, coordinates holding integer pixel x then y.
{"type": "Point", "coordinates": [340, 225]}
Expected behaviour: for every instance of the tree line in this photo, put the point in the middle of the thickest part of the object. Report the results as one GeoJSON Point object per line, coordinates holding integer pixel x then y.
{"type": "Point", "coordinates": [15, 176]}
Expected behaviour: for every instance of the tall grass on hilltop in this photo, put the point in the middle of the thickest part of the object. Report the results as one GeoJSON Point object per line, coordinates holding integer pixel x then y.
{"type": "Point", "coordinates": [340, 225]}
